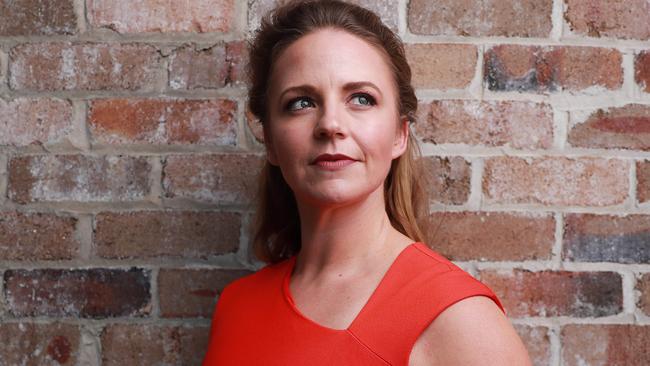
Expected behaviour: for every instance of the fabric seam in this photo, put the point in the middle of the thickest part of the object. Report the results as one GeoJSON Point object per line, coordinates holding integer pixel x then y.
{"type": "Point", "coordinates": [367, 347]}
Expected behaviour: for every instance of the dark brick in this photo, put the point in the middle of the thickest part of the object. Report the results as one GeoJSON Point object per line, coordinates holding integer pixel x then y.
{"type": "Point", "coordinates": [549, 69]}
{"type": "Point", "coordinates": [643, 180]}
{"type": "Point", "coordinates": [175, 234]}
{"type": "Point", "coordinates": [557, 293]}
{"type": "Point", "coordinates": [87, 293]}
{"type": "Point", "coordinates": [494, 236]}
{"type": "Point", "coordinates": [219, 178]}
{"type": "Point", "coordinates": [606, 238]}
{"type": "Point", "coordinates": [145, 344]}
{"type": "Point", "coordinates": [605, 344]}
{"type": "Point", "coordinates": [37, 236]}
{"type": "Point", "coordinates": [448, 179]}
{"type": "Point", "coordinates": [626, 127]}
{"type": "Point", "coordinates": [39, 344]}
{"type": "Point", "coordinates": [78, 178]}
{"type": "Point", "coordinates": [186, 293]}
{"type": "Point", "coordinates": [37, 17]}
{"type": "Point", "coordinates": [643, 287]}
{"type": "Point", "coordinates": [642, 70]}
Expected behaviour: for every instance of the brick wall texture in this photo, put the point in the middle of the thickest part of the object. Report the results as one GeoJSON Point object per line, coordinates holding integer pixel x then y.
{"type": "Point", "coordinates": [128, 165]}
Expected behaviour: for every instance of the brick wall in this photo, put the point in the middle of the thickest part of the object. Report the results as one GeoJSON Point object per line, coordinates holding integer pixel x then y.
{"type": "Point", "coordinates": [127, 166]}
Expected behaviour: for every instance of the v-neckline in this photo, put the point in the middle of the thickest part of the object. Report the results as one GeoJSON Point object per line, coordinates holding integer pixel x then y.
{"type": "Point", "coordinates": [292, 305]}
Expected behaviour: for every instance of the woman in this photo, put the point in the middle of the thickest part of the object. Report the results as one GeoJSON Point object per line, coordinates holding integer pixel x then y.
{"type": "Point", "coordinates": [349, 281]}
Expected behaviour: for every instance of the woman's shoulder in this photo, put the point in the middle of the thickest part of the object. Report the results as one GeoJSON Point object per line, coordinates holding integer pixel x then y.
{"type": "Point", "coordinates": [256, 282]}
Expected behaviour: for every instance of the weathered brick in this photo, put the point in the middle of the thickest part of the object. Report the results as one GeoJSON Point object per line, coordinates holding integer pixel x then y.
{"type": "Point", "coordinates": [147, 234]}
{"type": "Point", "coordinates": [208, 68]}
{"type": "Point", "coordinates": [607, 238]}
{"type": "Point", "coordinates": [556, 293]}
{"type": "Point", "coordinates": [642, 70]}
{"type": "Point", "coordinates": [37, 236]}
{"type": "Point", "coordinates": [78, 178]}
{"type": "Point", "coordinates": [556, 181]}
{"type": "Point", "coordinates": [191, 293]}
{"type": "Point", "coordinates": [510, 18]}
{"type": "Point", "coordinates": [220, 178]}
{"type": "Point", "coordinates": [643, 287]}
{"type": "Point", "coordinates": [28, 121]}
{"type": "Point", "coordinates": [39, 344]}
{"type": "Point", "coordinates": [442, 66]}
{"type": "Point", "coordinates": [524, 125]}
{"type": "Point", "coordinates": [537, 343]}
{"type": "Point", "coordinates": [626, 19]}
{"type": "Point", "coordinates": [605, 344]}
{"type": "Point", "coordinates": [163, 121]}
{"type": "Point", "coordinates": [626, 127]}
{"type": "Point", "coordinates": [549, 69]}
{"type": "Point", "coordinates": [493, 236]}
{"type": "Point", "coordinates": [88, 293]}
{"type": "Point", "coordinates": [386, 9]}
{"type": "Point", "coordinates": [447, 178]}
{"type": "Point", "coordinates": [643, 180]}
{"type": "Point", "coordinates": [37, 17]}
{"type": "Point", "coordinates": [90, 66]}
{"type": "Point", "coordinates": [145, 344]}
{"type": "Point", "coordinates": [136, 16]}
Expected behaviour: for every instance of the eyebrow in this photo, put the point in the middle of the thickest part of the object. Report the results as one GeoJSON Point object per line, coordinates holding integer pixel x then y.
{"type": "Point", "coordinates": [348, 86]}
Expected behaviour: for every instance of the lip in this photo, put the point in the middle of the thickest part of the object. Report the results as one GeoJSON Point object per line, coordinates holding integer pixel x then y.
{"type": "Point", "coordinates": [332, 161]}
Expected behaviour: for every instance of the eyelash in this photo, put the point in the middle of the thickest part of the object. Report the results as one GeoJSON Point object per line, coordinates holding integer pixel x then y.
{"type": "Point", "coordinates": [371, 100]}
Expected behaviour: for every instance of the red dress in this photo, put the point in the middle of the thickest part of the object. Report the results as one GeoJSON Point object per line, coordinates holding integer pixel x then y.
{"type": "Point", "coordinates": [256, 322]}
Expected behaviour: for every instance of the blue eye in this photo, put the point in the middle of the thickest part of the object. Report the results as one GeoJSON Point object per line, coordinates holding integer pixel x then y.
{"type": "Point", "coordinates": [299, 103]}
{"type": "Point", "coordinates": [364, 99]}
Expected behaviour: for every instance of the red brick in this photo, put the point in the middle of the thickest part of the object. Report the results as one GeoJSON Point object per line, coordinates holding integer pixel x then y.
{"type": "Point", "coordinates": [524, 125]}
{"type": "Point", "coordinates": [56, 66]}
{"type": "Point", "coordinates": [642, 70]}
{"type": "Point", "coordinates": [556, 293]}
{"type": "Point", "coordinates": [129, 16]}
{"type": "Point", "coordinates": [387, 10]}
{"type": "Point", "coordinates": [163, 121]}
{"type": "Point", "coordinates": [626, 127]}
{"type": "Point", "coordinates": [626, 19]}
{"type": "Point", "coordinates": [88, 293]}
{"type": "Point", "coordinates": [510, 18]}
{"type": "Point", "coordinates": [147, 234]}
{"type": "Point", "coordinates": [147, 344]}
{"type": "Point", "coordinates": [556, 181]}
{"type": "Point", "coordinates": [448, 179]}
{"type": "Point", "coordinates": [607, 238]}
{"type": "Point", "coordinates": [493, 236]}
{"type": "Point", "coordinates": [550, 69]}
{"type": "Point", "coordinates": [37, 236]}
{"type": "Point", "coordinates": [78, 178]}
{"type": "Point", "coordinates": [221, 178]}
{"type": "Point", "coordinates": [208, 68]}
{"type": "Point", "coordinates": [537, 343]}
{"type": "Point", "coordinates": [39, 344]}
{"type": "Point", "coordinates": [442, 66]}
{"type": "Point", "coordinates": [643, 180]}
{"type": "Point", "coordinates": [37, 17]}
{"type": "Point", "coordinates": [28, 121]}
{"type": "Point", "coordinates": [643, 287]}
{"type": "Point", "coordinates": [188, 293]}
{"type": "Point", "coordinates": [605, 344]}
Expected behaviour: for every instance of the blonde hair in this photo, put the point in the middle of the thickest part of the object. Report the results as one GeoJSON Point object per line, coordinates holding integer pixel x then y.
{"type": "Point", "coordinates": [277, 223]}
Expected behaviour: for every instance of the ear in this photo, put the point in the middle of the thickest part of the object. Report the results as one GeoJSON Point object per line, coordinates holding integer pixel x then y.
{"type": "Point", "coordinates": [401, 137]}
{"type": "Point", "coordinates": [270, 151]}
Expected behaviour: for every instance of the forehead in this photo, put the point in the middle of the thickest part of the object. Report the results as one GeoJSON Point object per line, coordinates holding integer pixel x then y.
{"type": "Point", "coordinates": [332, 56]}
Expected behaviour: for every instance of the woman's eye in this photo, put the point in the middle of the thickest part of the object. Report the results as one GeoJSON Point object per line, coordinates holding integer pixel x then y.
{"type": "Point", "coordinates": [364, 99]}
{"type": "Point", "coordinates": [298, 104]}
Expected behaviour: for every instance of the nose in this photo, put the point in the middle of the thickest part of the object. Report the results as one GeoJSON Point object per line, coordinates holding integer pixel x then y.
{"type": "Point", "coordinates": [329, 124]}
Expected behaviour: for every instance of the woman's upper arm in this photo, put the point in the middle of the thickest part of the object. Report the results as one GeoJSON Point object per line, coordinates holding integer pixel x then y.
{"type": "Point", "coordinates": [472, 331]}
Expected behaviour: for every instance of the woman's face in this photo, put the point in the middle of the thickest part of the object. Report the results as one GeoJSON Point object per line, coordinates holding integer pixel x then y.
{"type": "Point", "coordinates": [334, 127]}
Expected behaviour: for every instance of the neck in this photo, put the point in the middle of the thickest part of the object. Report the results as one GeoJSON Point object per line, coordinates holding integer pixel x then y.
{"type": "Point", "coordinates": [345, 239]}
